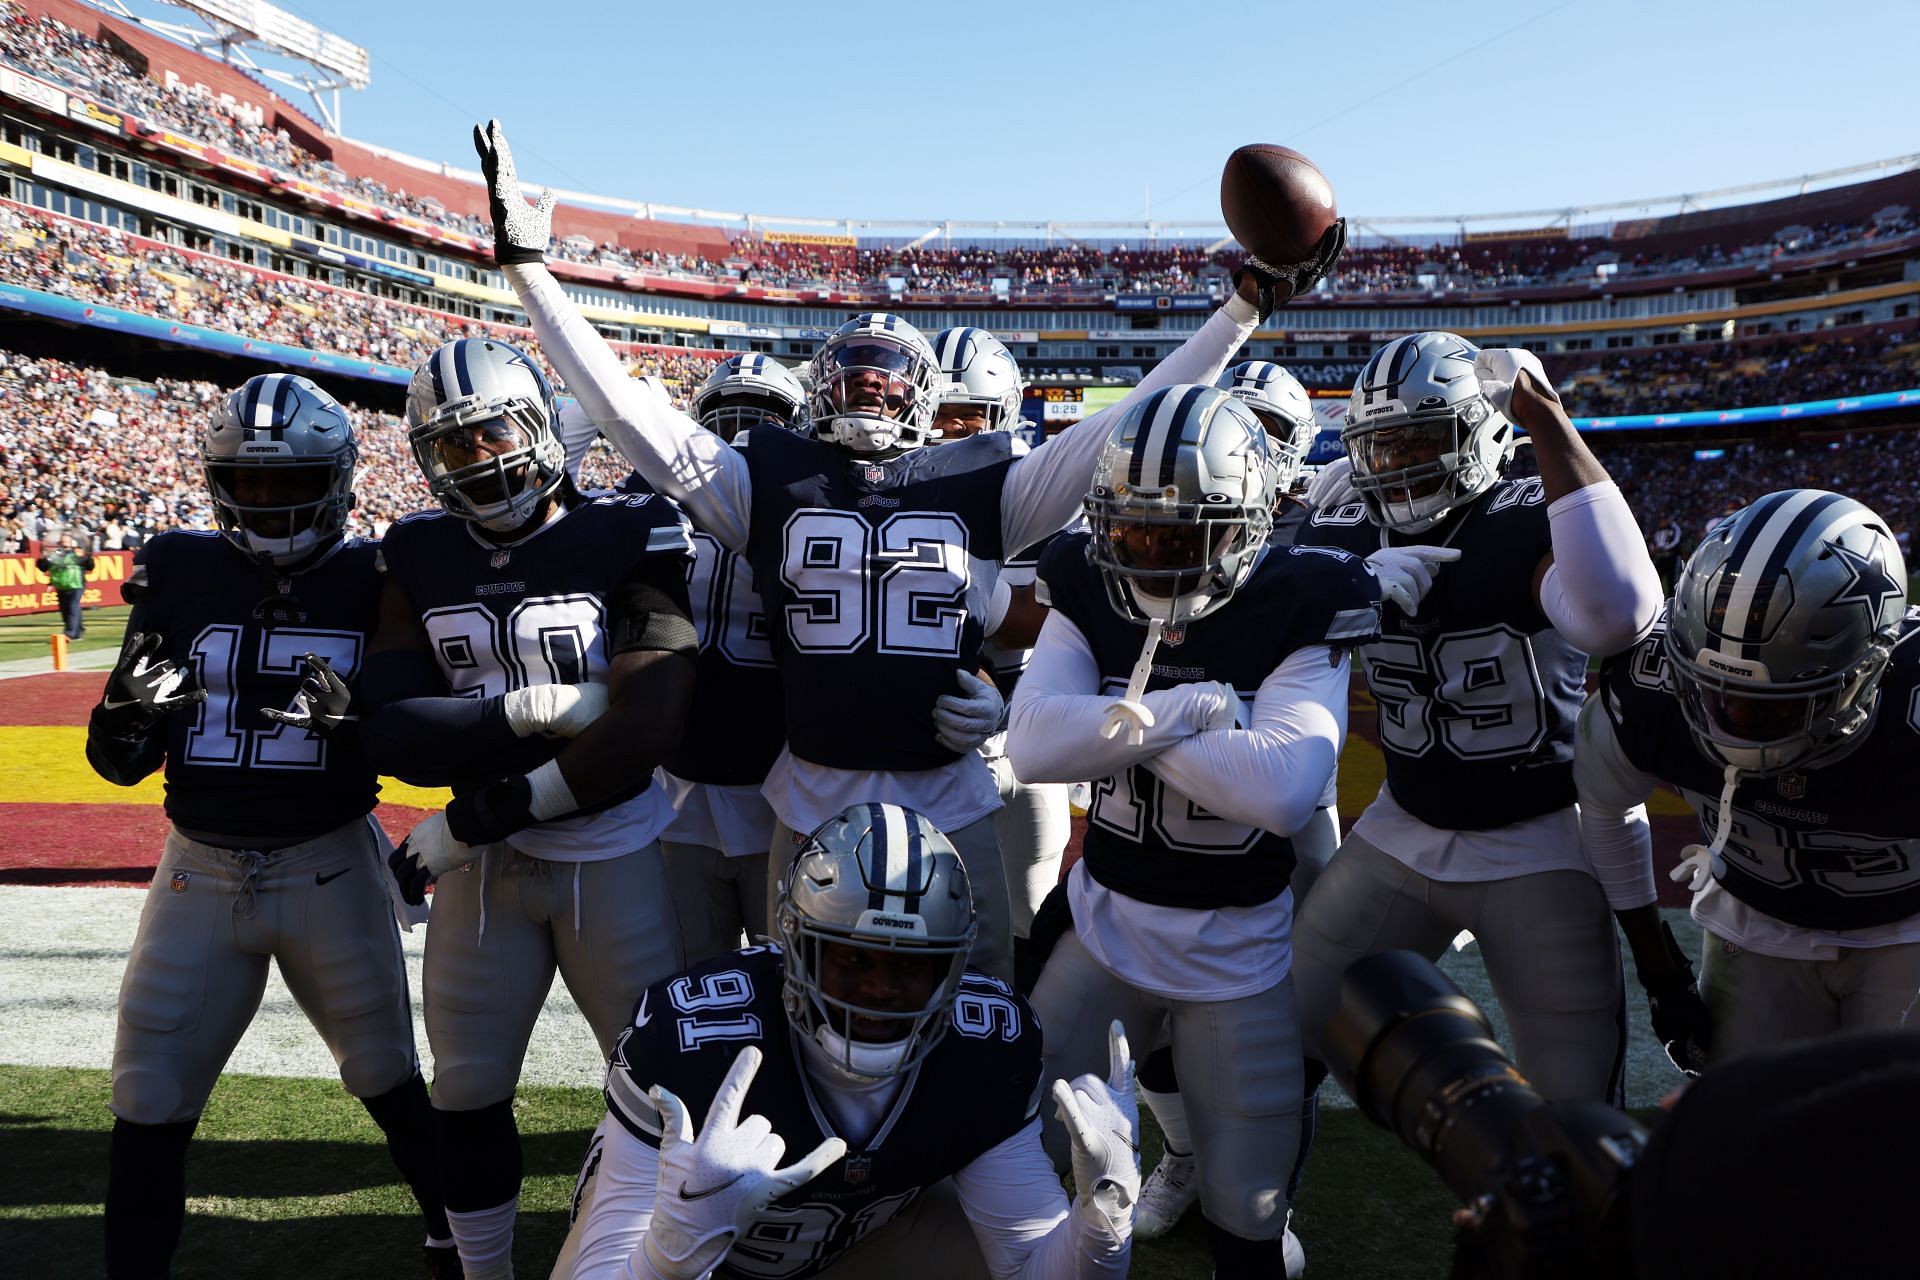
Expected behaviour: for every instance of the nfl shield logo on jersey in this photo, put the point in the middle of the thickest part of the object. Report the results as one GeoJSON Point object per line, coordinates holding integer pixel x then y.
{"type": "Point", "coordinates": [1175, 634]}
{"type": "Point", "coordinates": [499, 559]}
{"type": "Point", "coordinates": [859, 1168]}
{"type": "Point", "coordinates": [875, 474]}
{"type": "Point", "coordinates": [1792, 786]}
{"type": "Point", "coordinates": [179, 882]}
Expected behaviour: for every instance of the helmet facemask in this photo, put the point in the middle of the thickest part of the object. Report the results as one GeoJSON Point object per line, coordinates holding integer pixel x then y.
{"type": "Point", "coordinates": [728, 416]}
{"type": "Point", "coordinates": [306, 507]}
{"type": "Point", "coordinates": [862, 1041]}
{"type": "Point", "coordinates": [1740, 718]}
{"type": "Point", "coordinates": [873, 393]}
{"type": "Point", "coordinates": [1411, 470]}
{"type": "Point", "coordinates": [491, 462]}
{"type": "Point", "coordinates": [1170, 560]}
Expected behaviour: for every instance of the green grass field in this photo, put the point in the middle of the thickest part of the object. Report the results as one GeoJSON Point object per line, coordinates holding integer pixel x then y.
{"type": "Point", "coordinates": [25, 635]}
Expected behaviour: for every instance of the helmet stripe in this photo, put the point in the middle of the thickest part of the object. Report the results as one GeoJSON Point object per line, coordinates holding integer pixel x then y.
{"type": "Point", "coordinates": [282, 402]}
{"type": "Point", "coordinates": [462, 375]}
{"type": "Point", "coordinates": [913, 863]}
{"type": "Point", "coordinates": [1756, 566]}
{"type": "Point", "coordinates": [877, 857]}
{"type": "Point", "coordinates": [1176, 432]}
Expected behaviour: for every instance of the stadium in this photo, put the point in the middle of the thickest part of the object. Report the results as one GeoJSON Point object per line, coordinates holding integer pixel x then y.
{"type": "Point", "coordinates": [173, 226]}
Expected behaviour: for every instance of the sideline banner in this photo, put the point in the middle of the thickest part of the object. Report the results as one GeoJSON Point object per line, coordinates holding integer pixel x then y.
{"type": "Point", "coordinates": [24, 589]}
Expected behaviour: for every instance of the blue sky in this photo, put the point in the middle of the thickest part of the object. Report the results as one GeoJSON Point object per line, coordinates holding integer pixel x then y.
{"type": "Point", "coordinates": [1071, 111]}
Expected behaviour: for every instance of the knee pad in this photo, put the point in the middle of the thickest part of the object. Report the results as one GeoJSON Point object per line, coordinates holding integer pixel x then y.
{"type": "Point", "coordinates": [368, 1075]}
{"type": "Point", "coordinates": [147, 1096]}
{"type": "Point", "coordinates": [473, 1085]}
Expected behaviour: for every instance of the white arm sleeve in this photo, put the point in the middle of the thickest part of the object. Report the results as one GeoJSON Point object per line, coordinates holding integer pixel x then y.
{"type": "Point", "coordinates": [1613, 810]}
{"type": "Point", "coordinates": [1043, 490]}
{"type": "Point", "coordinates": [1272, 774]}
{"type": "Point", "coordinates": [1053, 726]}
{"type": "Point", "coordinates": [1020, 1216]}
{"type": "Point", "coordinates": [619, 1209]}
{"type": "Point", "coordinates": [1601, 592]}
{"type": "Point", "coordinates": [678, 457]}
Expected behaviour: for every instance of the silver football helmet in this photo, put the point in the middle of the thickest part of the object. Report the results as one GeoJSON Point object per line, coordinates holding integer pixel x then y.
{"type": "Point", "coordinates": [748, 391]}
{"type": "Point", "coordinates": [1182, 503]}
{"type": "Point", "coordinates": [481, 418]}
{"type": "Point", "coordinates": [278, 458]}
{"type": "Point", "coordinates": [880, 880]}
{"type": "Point", "coordinates": [1280, 402]}
{"type": "Point", "coordinates": [875, 384]}
{"type": "Point", "coordinates": [980, 374]}
{"type": "Point", "coordinates": [1781, 627]}
{"type": "Point", "coordinates": [1421, 438]}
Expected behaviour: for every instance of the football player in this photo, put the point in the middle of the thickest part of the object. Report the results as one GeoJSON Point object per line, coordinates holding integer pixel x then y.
{"type": "Point", "coordinates": [716, 846]}
{"type": "Point", "coordinates": [863, 1038]}
{"type": "Point", "coordinates": [1181, 907]}
{"type": "Point", "coordinates": [983, 389]}
{"type": "Point", "coordinates": [239, 675]}
{"type": "Point", "coordinates": [1281, 404]}
{"type": "Point", "coordinates": [1478, 678]}
{"type": "Point", "coordinates": [1782, 698]}
{"type": "Point", "coordinates": [876, 559]}
{"type": "Point", "coordinates": [535, 653]}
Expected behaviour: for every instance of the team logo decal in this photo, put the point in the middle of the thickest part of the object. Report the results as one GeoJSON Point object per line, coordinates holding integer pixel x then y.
{"type": "Point", "coordinates": [179, 882]}
{"type": "Point", "coordinates": [859, 1168]}
{"type": "Point", "coordinates": [1792, 786]}
{"type": "Point", "coordinates": [874, 474]}
{"type": "Point", "coordinates": [1175, 634]}
{"type": "Point", "coordinates": [499, 559]}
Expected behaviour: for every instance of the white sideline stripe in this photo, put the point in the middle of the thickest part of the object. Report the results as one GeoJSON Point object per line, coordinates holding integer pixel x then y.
{"type": "Point", "coordinates": [91, 660]}
{"type": "Point", "coordinates": [63, 951]}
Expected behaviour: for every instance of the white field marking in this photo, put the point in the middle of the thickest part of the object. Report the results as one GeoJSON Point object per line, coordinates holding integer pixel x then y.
{"type": "Point", "coordinates": [63, 952]}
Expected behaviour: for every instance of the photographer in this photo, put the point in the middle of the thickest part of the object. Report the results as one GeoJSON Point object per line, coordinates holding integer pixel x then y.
{"type": "Point", "coordinates": [67, 568]}
{"type": "Point", "coordinates": [1773, 1165]}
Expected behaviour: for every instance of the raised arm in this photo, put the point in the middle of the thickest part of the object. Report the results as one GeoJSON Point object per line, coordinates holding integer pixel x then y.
{"type": "Point", "coordinates": [1599, 587]}
{"type": "Point", "coordinates": [1043, 490]}
{"type": "Point", "coordinates": [692, 466]}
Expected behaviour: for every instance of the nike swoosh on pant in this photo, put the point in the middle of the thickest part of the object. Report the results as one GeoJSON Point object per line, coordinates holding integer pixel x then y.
{"type": "Point", "coordinates": [320, 879]}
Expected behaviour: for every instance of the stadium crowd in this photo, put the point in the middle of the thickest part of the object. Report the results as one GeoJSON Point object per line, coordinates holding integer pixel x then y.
{"type": "Point", "coordinates": [63, 430]}
{"type": "Point", "coordinates": [1726, 375]}
{"type": "Point", "coordinates": [45, 47]}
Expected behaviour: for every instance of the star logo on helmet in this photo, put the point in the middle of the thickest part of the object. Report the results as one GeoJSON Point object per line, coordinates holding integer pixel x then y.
{"type": "Point", "coordinates": [1868, 584]}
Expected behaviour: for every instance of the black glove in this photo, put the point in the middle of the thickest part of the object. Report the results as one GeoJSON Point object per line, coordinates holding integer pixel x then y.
{"type": "Point", "coordinates": [520, 231]}
{"type": "Point", "coordinates": [489, 814]}
{"type": "Point", "coordinates": [141, 690]}
{"type": "Point", "coordinates": [1294, 278]}
{"type": "Point", "coordinates": [1680, 1020]}
{"type": "Point", "coordinates": [321, 702]}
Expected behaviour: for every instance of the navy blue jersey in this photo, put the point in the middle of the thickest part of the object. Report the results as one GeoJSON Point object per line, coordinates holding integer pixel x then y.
{"type": "Point", "coordinates": [733, 729]}
{"type": "Point", "coordinates": [1143, 838]}
{"type": "Point", "coordinates": [505, 618]}
{"type": "Point", "coordinates": [1478, 694]}
{"type": "Point", "coordinates": [229, 770]}
{"type": "Point", "coordinates": [875, 576]}
{"type": "Point", "coordinates": [1835, 847]}
{"type": "Point", "coordinates": [978, 1087]}
{"type": "Point", "coordinates": [1289, 517]}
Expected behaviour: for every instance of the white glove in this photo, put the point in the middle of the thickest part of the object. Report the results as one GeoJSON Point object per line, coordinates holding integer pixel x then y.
{"type": "Point", "coordinates": [713, 1187]}
{"type": "Point", "coordinates": [1406, 573]}
{"type": "Point", "coordinates": [1216, 706]}
{"type": "Point", "coordinates": [556, 710]}
{"type": "Point", "coordinates": [964, 720]}
{"type": "Point", "coordinates": [1103, 1123]}
{"type": "Point", "coordinates": [1333, 486]}
{"type": "Point", "coordinates": [1499, 369]}
{"type": "Point", "coordinates": [428, 852]}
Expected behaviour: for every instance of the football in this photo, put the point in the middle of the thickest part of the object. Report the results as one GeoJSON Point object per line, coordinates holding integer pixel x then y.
{"type": "Point", "coordinates": [1276, 202]}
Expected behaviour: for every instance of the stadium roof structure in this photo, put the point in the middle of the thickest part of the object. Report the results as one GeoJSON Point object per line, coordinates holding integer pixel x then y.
{"type": "Point", "coordinates": [233, 31]}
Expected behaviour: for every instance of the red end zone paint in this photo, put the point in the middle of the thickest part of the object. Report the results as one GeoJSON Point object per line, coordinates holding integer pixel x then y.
{"type": "Point", "coordinates": [106, 844]}
{"type": "Point", "coordinates": [52, 699]}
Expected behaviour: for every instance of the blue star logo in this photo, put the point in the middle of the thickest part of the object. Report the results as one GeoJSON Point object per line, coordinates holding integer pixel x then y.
{"type": "Point", "coordinates": [1868, 583]}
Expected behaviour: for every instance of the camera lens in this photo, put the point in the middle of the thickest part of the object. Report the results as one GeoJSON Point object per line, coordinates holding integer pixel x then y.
{"type": "Point", "coordinates": [1419, 1058]}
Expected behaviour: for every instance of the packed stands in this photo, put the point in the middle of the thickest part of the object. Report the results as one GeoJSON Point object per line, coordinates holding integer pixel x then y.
{"type": "Point", "coordinates": [1725, 374]}
{"type": "Point", "coordinates": [43, 46]}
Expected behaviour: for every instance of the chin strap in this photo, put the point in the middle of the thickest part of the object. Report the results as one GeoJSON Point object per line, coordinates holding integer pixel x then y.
{"type": "Point", "coordinates": [1696, 861]}
{"type": "Point", "coordinates": [1130, 713]}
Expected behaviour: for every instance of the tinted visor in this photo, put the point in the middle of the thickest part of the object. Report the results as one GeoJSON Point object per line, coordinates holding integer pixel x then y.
{"type": "Point", "coordinates": [1405, 459]}
{"type": "Point", "coordinates": [871, 355]}
{"type": "Point", "coordinates": [1166, 559]}
{"type": "Point", "coordinates": [274, 500]}
{"type": "Point", "coordinates": [475, 448]}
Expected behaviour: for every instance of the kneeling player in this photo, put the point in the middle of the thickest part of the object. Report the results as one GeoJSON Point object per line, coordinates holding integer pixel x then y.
{"type": "Point", "coordinates": [1181, 905]}
{"type": "Point", "coordinates": [864, 1040]}
{"type": "Point", "coordinates": [510, 622]}
{"type": "Point", "coordinates": [272, 853]}
{"type": "Point", "coordinates": [1782, 698]}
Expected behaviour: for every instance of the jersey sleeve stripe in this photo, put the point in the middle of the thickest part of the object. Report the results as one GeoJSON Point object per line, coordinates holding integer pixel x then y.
{"type": "Point", "coordinates": [629, 1103]}
{"type": "Point", "coordinates": [1354, 624]}
{"type": "Point", "coordinates": [672, 537]}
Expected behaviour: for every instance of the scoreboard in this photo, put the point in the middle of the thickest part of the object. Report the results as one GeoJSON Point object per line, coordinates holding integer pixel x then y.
{"type": "Point", "coordinates": [1052, 409]}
